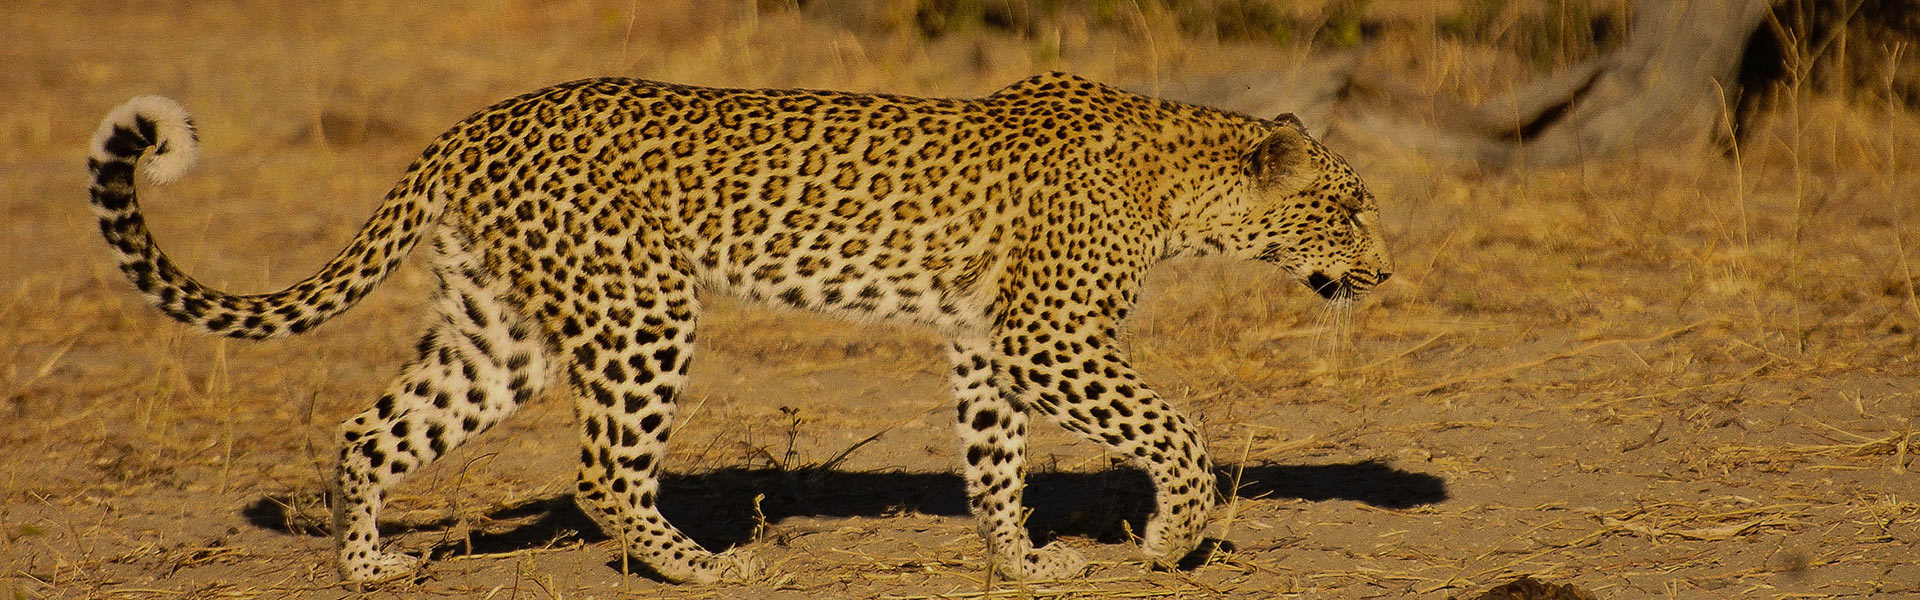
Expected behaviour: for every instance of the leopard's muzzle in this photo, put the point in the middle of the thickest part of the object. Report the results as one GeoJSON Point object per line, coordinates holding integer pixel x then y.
{"type": "Point", "coordinates": [1347, 286]}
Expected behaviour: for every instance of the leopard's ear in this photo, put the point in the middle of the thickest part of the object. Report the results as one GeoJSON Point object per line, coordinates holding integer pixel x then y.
{"type": "Point", "coordinates": [1281, 159]}
{"type": "Point", "coordinates": [1289, 120]}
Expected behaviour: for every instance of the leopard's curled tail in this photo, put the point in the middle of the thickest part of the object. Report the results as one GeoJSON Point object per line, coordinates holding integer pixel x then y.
{"type": "Point", "coordinates": [160, 125]}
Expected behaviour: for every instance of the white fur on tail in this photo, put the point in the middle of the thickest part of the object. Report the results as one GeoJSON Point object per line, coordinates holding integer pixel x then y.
{"type": "Point", "coordinates": [174, 150]}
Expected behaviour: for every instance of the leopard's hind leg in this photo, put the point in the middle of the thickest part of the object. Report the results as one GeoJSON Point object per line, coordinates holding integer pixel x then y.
{"type": "Point", "coordinates": [626, 351]}
{"type": "Point", "coordinates": [478, 362]}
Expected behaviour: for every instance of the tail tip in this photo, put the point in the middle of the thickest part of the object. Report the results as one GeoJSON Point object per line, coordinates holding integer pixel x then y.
{"type": "Point", "coordinates": [175, 146]}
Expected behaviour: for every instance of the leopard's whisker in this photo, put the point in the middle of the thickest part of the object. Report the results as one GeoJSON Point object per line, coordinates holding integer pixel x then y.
{"type": "Point", "coordinates": [1334, 324]}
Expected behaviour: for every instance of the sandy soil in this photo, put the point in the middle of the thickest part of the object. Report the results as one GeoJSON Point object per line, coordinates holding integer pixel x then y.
{"type": "Point", "coordinates": [1663, 376]}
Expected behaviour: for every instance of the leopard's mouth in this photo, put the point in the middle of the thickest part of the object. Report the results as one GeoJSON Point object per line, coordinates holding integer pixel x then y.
{"type": "Point", "coordinates": [1330, 288]}
{"type": "Point", "coordinates": [1348, 286]}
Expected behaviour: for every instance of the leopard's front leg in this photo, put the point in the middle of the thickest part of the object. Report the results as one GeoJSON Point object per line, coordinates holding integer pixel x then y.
{"type": "Point", "coordinates": [993, 429]}
{"type": "Point", "coordinates": [1075, 374]}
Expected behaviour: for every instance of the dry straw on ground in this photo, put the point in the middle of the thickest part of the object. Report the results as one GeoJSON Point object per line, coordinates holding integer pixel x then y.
{"type": "Point", "coordinates": [1667, 375]}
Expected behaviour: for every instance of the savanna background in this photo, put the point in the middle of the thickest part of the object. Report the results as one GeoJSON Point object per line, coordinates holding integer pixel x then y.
{"type": "Point", "coordinates": [1670, 371]}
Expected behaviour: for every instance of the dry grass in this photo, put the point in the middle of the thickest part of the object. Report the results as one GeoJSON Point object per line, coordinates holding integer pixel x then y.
{"type": "Point", "coordinates": [1661, 376]}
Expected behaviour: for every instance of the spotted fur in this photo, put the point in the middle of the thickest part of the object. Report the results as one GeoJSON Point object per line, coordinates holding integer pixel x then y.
{"type": "Point", "coordinates": [573, 229]}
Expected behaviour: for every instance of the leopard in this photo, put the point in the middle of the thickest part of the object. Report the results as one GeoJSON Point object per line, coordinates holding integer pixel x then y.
{"type": "Point", "coordinates": [574, 231]}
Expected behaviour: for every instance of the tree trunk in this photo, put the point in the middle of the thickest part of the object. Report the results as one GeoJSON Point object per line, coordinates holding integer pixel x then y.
{"type": "Point", "coordinates": [1668, 86]}
{"type": "Point", "coordinates": [1688, 71]}
{"type": "Point", "coordinates": [1671, 84]}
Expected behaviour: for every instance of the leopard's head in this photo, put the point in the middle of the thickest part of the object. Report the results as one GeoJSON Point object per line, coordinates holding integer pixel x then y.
{"type": "Point", "coordinates": [1310, 214]}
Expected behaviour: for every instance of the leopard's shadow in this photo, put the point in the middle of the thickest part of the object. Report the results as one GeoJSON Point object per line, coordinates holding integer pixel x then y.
{"type": "Point", "coordinates": [717, 507]}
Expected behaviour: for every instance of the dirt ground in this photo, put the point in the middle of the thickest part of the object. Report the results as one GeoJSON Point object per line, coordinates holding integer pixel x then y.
{"type": "Point", "coordinates": [1661, 376]}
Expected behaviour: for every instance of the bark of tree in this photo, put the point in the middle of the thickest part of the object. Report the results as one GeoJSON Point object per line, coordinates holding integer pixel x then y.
{"type": "Point", "coordinates": [1673, 83]}
{"type": "Point", "coordinates": [1670, 85]}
